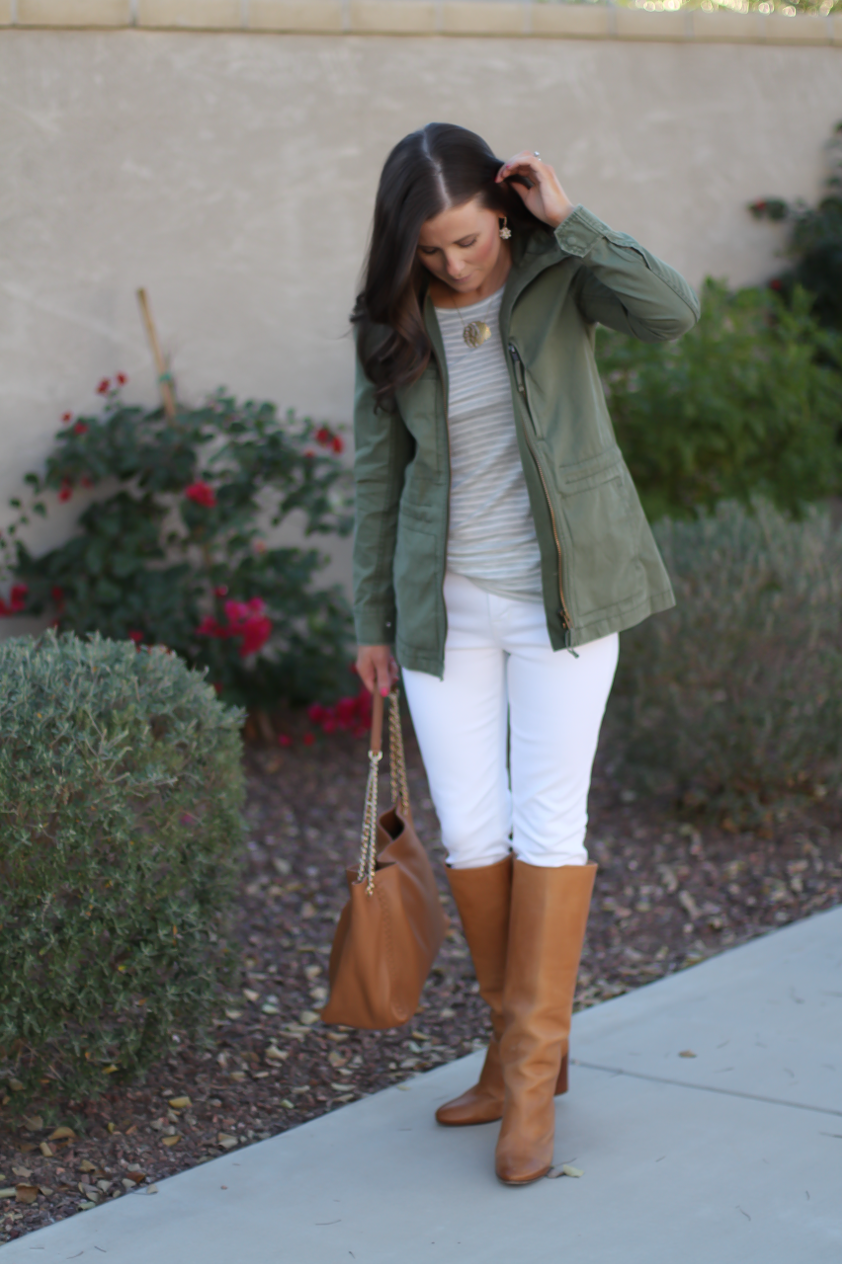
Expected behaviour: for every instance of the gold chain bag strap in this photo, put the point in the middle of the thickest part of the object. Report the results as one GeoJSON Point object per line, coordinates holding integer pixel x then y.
{"type": "Point", "coordinates": [393, 924]}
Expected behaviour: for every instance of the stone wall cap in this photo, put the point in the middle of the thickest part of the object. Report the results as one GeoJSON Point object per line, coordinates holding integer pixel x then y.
{"type": "Point", "coordinates": [456, 18]}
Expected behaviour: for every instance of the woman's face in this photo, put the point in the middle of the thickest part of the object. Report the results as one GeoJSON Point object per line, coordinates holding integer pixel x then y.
{"type": "Point", "coordinates": [462, 246]}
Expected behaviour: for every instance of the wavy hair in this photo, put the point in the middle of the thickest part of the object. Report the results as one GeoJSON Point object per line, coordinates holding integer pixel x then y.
{"type": "Point", "coordinates": [438, 167]}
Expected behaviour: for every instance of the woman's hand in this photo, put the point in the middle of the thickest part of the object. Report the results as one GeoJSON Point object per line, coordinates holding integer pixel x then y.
{"type": "Point", "coordinates": [377, 668]}
{"type": "Point", "coordinates": [546, 199]}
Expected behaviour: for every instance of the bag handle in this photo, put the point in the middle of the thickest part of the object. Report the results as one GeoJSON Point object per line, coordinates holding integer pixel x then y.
{"type": "Point", "coordinates": [400, 784]}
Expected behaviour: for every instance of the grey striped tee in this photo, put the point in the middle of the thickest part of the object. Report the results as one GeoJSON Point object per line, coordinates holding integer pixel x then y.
{"type": "Point", "coordinates": [492, 538]}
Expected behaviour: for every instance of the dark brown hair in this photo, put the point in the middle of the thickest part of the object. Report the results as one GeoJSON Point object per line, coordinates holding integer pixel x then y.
{"type": "Point", "coordinates": [430, 170]}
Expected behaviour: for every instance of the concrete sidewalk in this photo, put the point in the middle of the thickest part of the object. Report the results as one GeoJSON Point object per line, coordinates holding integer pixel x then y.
{"type": "Point", "coordinates": [734, 1155]}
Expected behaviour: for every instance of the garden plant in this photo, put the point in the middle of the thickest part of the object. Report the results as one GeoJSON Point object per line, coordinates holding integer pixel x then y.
{"type": "Point", "coordinates": [734, 698]}
{"type": "Point", "coordinates": [172, 548]}
{"type": "Point", "coordinates": [121, 790]}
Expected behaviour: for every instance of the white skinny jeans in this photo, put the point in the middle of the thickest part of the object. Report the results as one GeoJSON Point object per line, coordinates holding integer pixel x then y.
{"type": "Point", "coordinates": [501, 672]}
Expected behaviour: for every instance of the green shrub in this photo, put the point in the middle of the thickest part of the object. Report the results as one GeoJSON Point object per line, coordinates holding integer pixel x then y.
{"type": "Point", "coordinates": [815, 241]}
{"type": "Point", "coordinates": [120, 829]}
{"type": "Point", "coordinates": [173, 553]}
{"type": "Point", "coordinates": [746, 404]}
{"type": "Point", "coordinates": [735, 696]}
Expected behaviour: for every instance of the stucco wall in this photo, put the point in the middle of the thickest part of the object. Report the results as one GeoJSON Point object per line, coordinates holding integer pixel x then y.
{"type": "Point", "coordinates": [232, 174]}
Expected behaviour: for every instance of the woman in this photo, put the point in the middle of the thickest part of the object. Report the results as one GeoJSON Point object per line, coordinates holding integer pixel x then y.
{"type": "Point", "coordinates": [500, 547]}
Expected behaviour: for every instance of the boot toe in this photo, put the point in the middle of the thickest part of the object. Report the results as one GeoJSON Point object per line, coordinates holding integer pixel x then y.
{"type": "Point", "coordinates": [473, 1107]}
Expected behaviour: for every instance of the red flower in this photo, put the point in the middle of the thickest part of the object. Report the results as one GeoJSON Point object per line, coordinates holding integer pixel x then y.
{"type": "Point", "coordinates": [104, 386]}
{"type": "Point", "coordinates": [221, 590]}
{"type": "Point", "coordinates": [211, 627]}
{"type": "Point", "coordinates": [309, 739]}
{"type": "Point", "coordinates": [775, 284]}
{"type": "Point", "coordinates": [137, 637]}
{"type": "Point", "coordinates": [337, 444]}
{"type": "Point", "coordinates": [66, 417]}
{"type": "Point", "coordinates": [201, 494]}
{"type": "Point", "coordinates": [217, 686]}
{"type": "Point", "coordinates": [759, 207]}
{"type": "Point", "coordinates": [65, 491]}
{"type": "Point", "coordinates": [323, 436]}
{"type": "Point", "coordinates": [245, 619]}
{"type": "Point", "coordinates": [17, 600]}
{"type": "Point", "coordinates": [350, 715]}
{"type": "Point", "coordinates": [284, 739]}
{"type": "Point", "coordinates": [57, 595]}
{"type": "Point", "coordinates": [256, 633]}
{"type": "Point", "coordinates": [80, 428]}
{"type": "Point", "coordinates": [121, 379]}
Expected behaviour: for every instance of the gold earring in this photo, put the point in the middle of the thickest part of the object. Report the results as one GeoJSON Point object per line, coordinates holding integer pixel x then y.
{"type": "Point", "coordinates": [505, 231]}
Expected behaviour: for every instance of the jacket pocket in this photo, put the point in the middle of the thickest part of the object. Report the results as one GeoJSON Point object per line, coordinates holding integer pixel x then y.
{"type": "Point", "coordinates": [604, 521]}
{"type": "Point", "coordinates": [417, 581]}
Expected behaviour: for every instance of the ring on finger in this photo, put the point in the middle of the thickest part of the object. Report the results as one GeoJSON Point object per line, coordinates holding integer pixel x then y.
{"type": "Point", "coordinates": [537, 155]}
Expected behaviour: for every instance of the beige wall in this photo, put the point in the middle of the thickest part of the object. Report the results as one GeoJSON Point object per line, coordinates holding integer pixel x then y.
{"type": "Point", "coordinates": [232, 174]}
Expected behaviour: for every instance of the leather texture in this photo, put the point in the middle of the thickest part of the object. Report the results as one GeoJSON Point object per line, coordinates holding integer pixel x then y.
{"type": "Point", "coordinates": [549, 913]}
{"type": "Point", "coordinates": [483, 898]}
{"type": "Point", "coordinates": [391, 928]}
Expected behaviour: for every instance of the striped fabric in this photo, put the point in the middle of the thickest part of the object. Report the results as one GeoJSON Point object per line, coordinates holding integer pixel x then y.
{"type": "Point", "coordinates": [492, 538]}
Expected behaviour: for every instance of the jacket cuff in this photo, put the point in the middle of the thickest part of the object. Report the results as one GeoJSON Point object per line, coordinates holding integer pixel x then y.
{"type": "Point", "coordinates": [580, 231]}
{"type": "Point", "coordinates": [374, 627]}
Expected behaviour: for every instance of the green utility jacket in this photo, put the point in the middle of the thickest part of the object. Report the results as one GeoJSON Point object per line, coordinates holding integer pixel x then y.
{"type": "Point", "coordinates": [601, 570]}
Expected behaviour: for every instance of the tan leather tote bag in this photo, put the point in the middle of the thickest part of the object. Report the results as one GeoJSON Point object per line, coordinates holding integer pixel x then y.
{"type": "Point", "coordinates": [393, 924]}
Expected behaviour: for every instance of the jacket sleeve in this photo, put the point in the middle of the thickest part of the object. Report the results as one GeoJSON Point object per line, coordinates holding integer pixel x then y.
{"type": "Point", "coordinates": [623, 286]}
{"type": "Point", "coordinates": [383, 451]}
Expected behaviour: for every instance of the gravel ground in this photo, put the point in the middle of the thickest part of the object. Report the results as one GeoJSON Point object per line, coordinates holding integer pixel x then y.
{"type": "Point", "coordinates": [668, 894]}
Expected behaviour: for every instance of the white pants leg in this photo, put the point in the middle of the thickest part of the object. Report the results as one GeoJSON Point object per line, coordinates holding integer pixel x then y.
{"type": "Point", "coordinates": [499, 666]}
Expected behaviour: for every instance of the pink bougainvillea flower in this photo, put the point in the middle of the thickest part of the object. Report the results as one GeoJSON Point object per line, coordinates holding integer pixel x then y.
{"type": "Point", "coordinates": [338, 444]}
{"type": "Point", "coordinates": [246, 619]}
{"type": "Point", "coordinates": [121, 379]}
{"type": "Point", "coordinates": [256, 633]}
{"type": "Point", "coordinates": [80, 428]}
{"type": "Point", "coordinates": [65, 491]}
{"type": "Point", "coordinates": [348, 715]}
{"type": "Point", "coordinates": [284, 739]}
{"type": "Point", "coordinates": [66, 417]}
{"type": "Point", "coordinates": [17, 598]}
{"type": "Point", "coordinates": [201, 494]}
{"type": "Point", "coordinates": [104, 386]}
{"type": "Point", "coordinates": [211, 627]}
{"type": "Point", "coordinates": [137, 637]}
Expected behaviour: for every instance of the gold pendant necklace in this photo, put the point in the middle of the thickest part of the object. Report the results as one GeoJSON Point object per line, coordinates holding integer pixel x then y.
{"type": "Point", "coordinates": [475, 333]}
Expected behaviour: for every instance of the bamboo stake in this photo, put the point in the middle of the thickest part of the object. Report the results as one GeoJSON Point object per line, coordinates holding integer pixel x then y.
{"type": "Point", "coordinates": [164, 377]}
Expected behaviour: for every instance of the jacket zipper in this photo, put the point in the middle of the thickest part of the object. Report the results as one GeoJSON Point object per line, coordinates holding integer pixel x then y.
{"type": "Point", "coordinates": [443, 383]}
{"type": "Point", "coordinates": [520, 378]}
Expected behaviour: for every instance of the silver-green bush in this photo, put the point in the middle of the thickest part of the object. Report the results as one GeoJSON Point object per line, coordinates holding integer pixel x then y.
{"type": "Point", "coordinates": [736, 695]}
{"type": "Point", "coordinates": [120, 828]}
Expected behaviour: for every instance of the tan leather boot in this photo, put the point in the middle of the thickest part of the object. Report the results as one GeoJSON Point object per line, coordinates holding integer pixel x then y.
{"type": "Point", "coordinates": [549, 913]}
{"type": "Point", "coordinates": [483, 897]}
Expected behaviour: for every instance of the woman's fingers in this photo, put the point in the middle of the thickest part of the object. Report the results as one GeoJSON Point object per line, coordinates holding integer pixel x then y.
{"type": "Point", "coordinates": [376, 668]}
{"type": "Point", "coordinates": [524, 162]}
